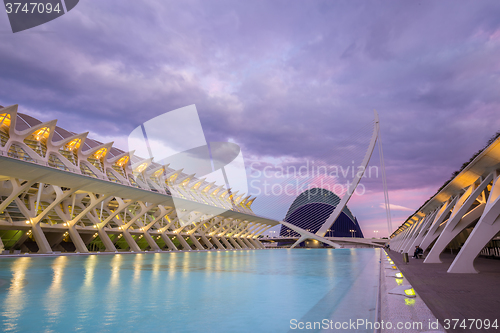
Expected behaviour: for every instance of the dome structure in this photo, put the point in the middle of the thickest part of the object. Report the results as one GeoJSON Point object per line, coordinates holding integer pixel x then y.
{"type": "Point", "coordinates": [312, 208]}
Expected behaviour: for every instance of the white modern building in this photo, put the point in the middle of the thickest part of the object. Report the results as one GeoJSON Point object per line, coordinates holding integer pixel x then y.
{"type": "Point", "coordinates": [463, 216]}
{"type": "Point", "coordinates": [62, 191]}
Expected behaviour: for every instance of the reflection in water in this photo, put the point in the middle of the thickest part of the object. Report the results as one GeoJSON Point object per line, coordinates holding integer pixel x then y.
{"type": "Point", "coordinates": [137, 268]}
{"type": "Point", "coordinates": [54, 296]}
{"type": "Point", "coordinates": [14, 302]}
{"type": "Point", "coordinates": [218, 291]}
{"type": "Point", "coordinates": [112, 292]}
{"type": "Point", "coordinates": [90, 264]}
{"type": "Point", "coordinates": [86, 292]}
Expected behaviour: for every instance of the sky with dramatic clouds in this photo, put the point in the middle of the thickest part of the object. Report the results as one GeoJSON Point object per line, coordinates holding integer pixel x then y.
{"type": "Point", "coordinates": [286, 80]}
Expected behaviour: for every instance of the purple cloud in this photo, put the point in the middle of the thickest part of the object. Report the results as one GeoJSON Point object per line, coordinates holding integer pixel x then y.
{"type": "Point", "coordinates": [279, 78]}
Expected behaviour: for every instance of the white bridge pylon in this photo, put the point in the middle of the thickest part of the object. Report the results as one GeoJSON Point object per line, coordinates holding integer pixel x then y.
{"type": "Point", "coordinates": [320, 234]}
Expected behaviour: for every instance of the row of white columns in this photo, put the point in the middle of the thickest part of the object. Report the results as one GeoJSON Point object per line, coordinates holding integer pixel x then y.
{"type": "Point", "coordinates": [213, 231]}
{"type": "Point", "coordinates": [441, 226]}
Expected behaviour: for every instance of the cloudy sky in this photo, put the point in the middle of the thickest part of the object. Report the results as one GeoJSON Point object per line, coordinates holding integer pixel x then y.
{"type": "Point", "coordinates": [286, 80]}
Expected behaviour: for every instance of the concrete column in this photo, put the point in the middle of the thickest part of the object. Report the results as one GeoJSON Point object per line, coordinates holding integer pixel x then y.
{"type": "Point", "coordinates": [421, 234]}
{"type": "Point", "coordinates": [235, 244]}
{"type": "Point", "coordinates": [249, 245]}
{"type": "Point", "coordinates": [205, 240]}
{"type": "Point", "coordinates": [259, 243]}
{"type": "Point", "coordinates": [196, 243]}
{"type": "Point", "coordinates": [404, 236]}
{"type": "Point", "coordinates": [487, 227]}
{"type": "Point", "coordinates": [77, 240]}
{"type": "Point", "coordinates": [131, 242]}
{"type": "Point", "coordinates": [41, 240]}
{"type": "Point", "coordinates": [459, 220]}
{"type": "Point", "coordinates": [185, 245]}
{"type": "Point", "coordinates": [411, 244]}
{"type": "Point", "coordinates": [241, 243]}
{"type": "Point", "coordinates": [217, 243]}
{"type": "Point", "coordinates": [401, 238]}
{"type": "Point", "coordinates": [171, 246]}
{"type": "Point", "coordinates": [151, 241]}
{"type": "Point", "coordinates": [256, 243]}
{"type": "Point", "coordinates": [226, 243]}
{"type": "Point", "coordinates": [108, 244]}
{"type": "Point", "coordinates": [433, 230]}
{"type": "Point", "coordinates": [450, 232]}
{"type": "Point", "coordinates": [412, 232]}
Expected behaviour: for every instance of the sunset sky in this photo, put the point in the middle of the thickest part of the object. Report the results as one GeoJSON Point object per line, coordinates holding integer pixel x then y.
{"type": "Point", "coordinates": [286, 80]}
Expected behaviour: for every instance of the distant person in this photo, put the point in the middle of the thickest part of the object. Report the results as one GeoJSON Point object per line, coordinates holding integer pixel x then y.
{"type": "Point", "coordinates": [418, 250]}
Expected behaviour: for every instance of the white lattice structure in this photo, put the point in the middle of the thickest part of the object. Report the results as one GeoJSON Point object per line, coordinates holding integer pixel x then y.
{"type": "Point", "coordinates": [61, 191]}
{"type": "Point", "coordinates": [464, 215]}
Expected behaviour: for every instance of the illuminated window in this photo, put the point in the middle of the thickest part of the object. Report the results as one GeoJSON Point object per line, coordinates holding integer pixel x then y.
{"type": "Point", "coordinates": [100, 153]}
{"type": "Point", "coordinates": [38, 141]}
{"type": "Point", "coordinates": [186, 181]}
{"type": "Point", "coordinates": [86, 170]}
{"type": "Point", "coordinates": [158, 173]}
{"type": "Point", "coordinates": [69, 155]}
{"type": "Point", "coordinates": [18, 152]}
{"type": "Point", "coordinates": [112, 177]}
{"type": "Point", "coordinates": [42, 133]}
{"type": "Point", "coordinates": [141, 167]}
{"type": "Point", "coordinates": [4, 128]}
{"type": "Point", "coordinates": [5, 120]}
{"type": "Point", "coordinates": [55, 162]}
{"type": "Point", "coordinates": [119, 169]}
{"type": "Point", "coordinates": [4, 137]}
{"type": "Point", "coordinates": [95, 162]}
{"type": "Point", "coordinates": [122, 161]}
{"type": "Point", "coordinates": [132, 181]}
{"type": "Point", "coordinates": [69, 150]}
{"type": "Point", "coordinates": [172, 179]}
{"type": "Point", "coordinates": [73, 144]}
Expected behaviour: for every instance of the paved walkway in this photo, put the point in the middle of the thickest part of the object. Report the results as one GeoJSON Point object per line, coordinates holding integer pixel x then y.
{"type": "Point", "coordinates": [456, 296]}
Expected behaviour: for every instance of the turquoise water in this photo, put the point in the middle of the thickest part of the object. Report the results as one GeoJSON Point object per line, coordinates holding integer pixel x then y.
{"type": "Point", "coordinates": [233, 291]}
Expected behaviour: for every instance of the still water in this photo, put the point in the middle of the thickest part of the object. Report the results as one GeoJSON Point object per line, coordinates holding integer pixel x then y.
{"type": "Point", "coordinates": [233, 291]}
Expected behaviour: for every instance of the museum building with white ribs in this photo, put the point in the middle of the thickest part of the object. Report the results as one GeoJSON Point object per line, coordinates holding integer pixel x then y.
{"type": "Point", "coordinates": [61, 191]}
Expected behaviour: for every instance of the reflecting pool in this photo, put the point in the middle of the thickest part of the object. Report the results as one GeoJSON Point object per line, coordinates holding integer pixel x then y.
{"type": "Point", "coordinates": [233, 291]}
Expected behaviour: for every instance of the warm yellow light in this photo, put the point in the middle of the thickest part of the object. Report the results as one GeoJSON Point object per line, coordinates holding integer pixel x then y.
{"type": "Point", "coordinates": [410, 292]}
{"type": "Point", "coordinates": [158, 172]}
{"type": "Point", "coordinates": [42, 133]}
{"type": "Point", "coordinates": [399, 281]}
{"type": "Point", "coordinates": [27, 222]}
{"type": "Point", "coordinates": [172, 178]}
{"type": "Point", "coordinates": [394, 267]}
{"type": "Point", "coordinates": [399, 275]}
{"type": "Point", "coordinates": [5, 119]}
{"type": "Point", "coordinates": [409, 301]}
{"type": "Point", "coordinates": [74, 144]}
{"type": "Point", "coordinates": [122, 161]}
{"type": "Point", "coordinates": [100, 153]}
